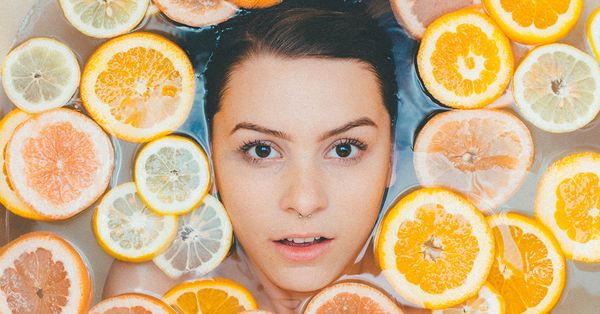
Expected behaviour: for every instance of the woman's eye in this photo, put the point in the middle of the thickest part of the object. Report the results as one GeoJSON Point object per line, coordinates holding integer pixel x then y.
{"type": "Point", "coordinates": [262, 151]}
{"type": "Point", "coordinates": [344, 150]}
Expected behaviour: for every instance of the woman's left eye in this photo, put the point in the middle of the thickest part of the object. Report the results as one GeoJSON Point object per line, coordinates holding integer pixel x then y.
{"type": "Point", "coordinates": [346, 149]}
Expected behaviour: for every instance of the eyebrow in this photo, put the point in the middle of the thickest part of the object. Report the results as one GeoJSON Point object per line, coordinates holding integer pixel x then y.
{"type": "Point", "coordinates": [348, 126]}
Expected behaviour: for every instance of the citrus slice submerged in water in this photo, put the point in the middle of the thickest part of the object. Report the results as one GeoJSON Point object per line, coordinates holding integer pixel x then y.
{"type": "Point", "coordinates": [132, 303]}
{"type": "Point", "coordinates": [197, 12]}
{"type": "Point", "coordinates": [487, 301]}
{"type": "Point", "coordinates": [351, 297]}
{"type": "Point", "coordinates": [210, 296]}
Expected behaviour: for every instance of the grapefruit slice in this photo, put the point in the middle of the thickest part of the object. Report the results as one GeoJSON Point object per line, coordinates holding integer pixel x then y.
{"type": "Point", "coordinates": [59, 162]}
{"type": "Point", "coordinates": [197, 13]}
{"type": "Point", "coordinates": [210, 296]}
{"type": "Point", "coordinates": [41, 272]}
{"type": "Point", "coordinates": [484, 154]}
{"type": "Point", "coordinates": [435, 248]}
{"type": "Point", "coordinates": [132, 303]}
{"type": "Point", "coordinates": [487, 301]}
{"type": "Point", "coordinates": [351, 297]}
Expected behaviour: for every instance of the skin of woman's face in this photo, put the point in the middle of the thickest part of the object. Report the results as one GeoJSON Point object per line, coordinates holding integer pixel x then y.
{"type": "Point", "coordinates": [306, 136]}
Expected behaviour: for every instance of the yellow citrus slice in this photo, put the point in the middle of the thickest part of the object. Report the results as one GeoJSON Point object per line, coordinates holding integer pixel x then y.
{"type": "Point", "coordinates": [529, 268]}
{"type": "Point", "coordinates": [351, 297]}
{"type": "Point", "coordinates": [465, 61]}
{"type": "Point", "coordinates": [132, 303]}
{"type": "Point", "coordinates": [592, 32]}
{"type": "Point", "coordinates": [568, 203]}
{"type": "Point", "coordinates": [127, 230]}
{"type": "Point", "coordinates": [557, 88]}
{"type": "Point", "coordinates": [197, 13]}
{"type": "Point", "coordinates": [484, 154]}
{"type": "Point", "coordinates": [8, 197]}
{"type": "Point", "coordinates": [487, 301]}
{"type": "Point", "coordinates": [210, 296]}
{"type": "Point", "coordinates": [138, 86]}
{"type": "Point", "coordinates": [103, 19]}
{"type": "Point", "coordinates": [203, 240]}
{"type": "Point", "coordinates": [40, 74]}
{"type": "Point", "coordinates": [255, 4]}
{"type": "Point", "coordinates": [172, 175]}
{"type": "Point", "coordinates": [535, 21]}
{"type": "Point", "coordinates": [59, 162]}
{"type": "Point", "coordinates": [40, 272]}
{"type": "Point", "coordinates": [435, 248]}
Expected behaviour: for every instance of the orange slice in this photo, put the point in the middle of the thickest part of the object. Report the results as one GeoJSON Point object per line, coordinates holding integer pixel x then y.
{"type": "Point", "coordinates": [210, 296]}
{"type": "Point", "coordinates": [568, 203]}
{"type": "Point", "coordinates": [465, 61]}
{"type": "Point", "coordinates": [529, 269]}
{"type": "Point", "coordinates": [484, 154]}
{"type": "Point", "coordinates": [41, 272]}
{"type": "Point", "coordinates": [138, 86]}
{"type": "Point", "coordinates": [535, 21]}
{"type": "Point", "coordinates": [59, 162]}
{"type": "Point", "coordinates": [487, 301]}
{"type": "Point", "coordinates": [255, 4]}
{"type": "Point", "coordinates": [351, 297]}
{"type": "Point", "coordinates": [132, 303]}
{"type": "Point", "coordinates": [197, 13]}
{"type": "Point", "coordinates": [435, 248]}
{"type": "Point", "coordinates": [416, 15]}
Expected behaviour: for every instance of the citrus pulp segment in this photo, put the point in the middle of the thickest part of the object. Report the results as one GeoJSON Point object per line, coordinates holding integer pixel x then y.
{"type": "Point", "coordinates": [40, 272]}
{"type": "Point", "coordinates": [351, 297]}
{"type": "Point", "coordinates": [172, 175]}
{"type": "Point", "coordinates": [197, 13]}
{"type": "Point", "coordinates": [483, 154]}
{"type": "Point", "coordinates": [465, 61]}
{"type": "Point", "coordinates": [127, 230]}
{"type": "Point", "coordinates": [104, 19]}
{"type": "Point", "coordinates": [40, 74]}
{"type": "Point", "coordinates": [529, 267]}
{"type": "Point", "coordinates": [487, 301]}
{"type": "Point", "coordinates": [59, 162]}
{"type": "Point", "coordinates": [138, 86]}
{"type": "Point", "coordinates": [435, 248]}
{"type": "Point", "coordinates": [132, 303]}
{"type": "Point", "coordinates": [557, 88]}
{"type": "Point", "coordinates": [568, 203]}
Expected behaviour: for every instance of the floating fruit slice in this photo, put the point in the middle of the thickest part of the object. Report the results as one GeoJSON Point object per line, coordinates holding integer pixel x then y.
{"type": "Point", "coordinates": [351, 297]}
{"type": "Point", "coordinates": [465, 61]}
{"type": "Point", "coordinates": [8, 197]}
{"type": "Point", "coordinates": [210, 296]}
{"type": "Point", "coordinates": [487, 301]}
{"type": "Point", "coordinates": [568, 203]}
{"type": "Point", "coordinates": [416, 15]}
{"type": "Point", "coordinates": [104, 19]}
{"type": "Point", "coordinates": [132, 303]}
{"type": "Point", "coordinates": [529, 268]}
{"type": "Point", "coordinates": [255, 4]}
{"type": "Point", "coordinates": [484, 154]}
{"type": "Point", "coordinates": [127, 230]}
{"type": "Point", "coordinates": [202, 242]}
{"type": "Point", "coordinates": [59, 162]}
{"type": "Point", "coordinates": [592, 32]}
{"type": "Point", "coordinates": [41, 272]}
{"type": "Point", "coordinates": [557, 88]}
{"type": "Point", "coordinates": [172, 175]}
{"type": "Point", "coordinates": [435, 248]}
{"type": "Point", "coordinates": [534, 21]}
{"type": "Point", "coordinates": [40, 74]}
{"type": "Point", "coordinates": [138, 86]}
{"type": "Point", "coordinates": [197, 13]}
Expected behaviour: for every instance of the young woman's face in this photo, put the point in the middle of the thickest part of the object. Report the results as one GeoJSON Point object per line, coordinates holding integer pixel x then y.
{"type": "Point", "coordinates": [301, 150]}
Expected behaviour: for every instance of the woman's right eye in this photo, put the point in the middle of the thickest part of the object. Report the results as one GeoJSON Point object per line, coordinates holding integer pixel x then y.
{"type": "Point", "coordinates": [258, 150]}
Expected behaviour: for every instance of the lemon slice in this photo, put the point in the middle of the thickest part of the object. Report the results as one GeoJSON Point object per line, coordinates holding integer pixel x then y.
{"type": "Point", "coordinates": [127, 230]}
{"type": "Point", "coordinates": [40, 74]}
{"type": "Point", "coordinates": [557, 88]}
{"type": "Point", "coordinates": [172, 175]}
{"type": "Point", "coordinates": [592, 32]}
{"type": "Point", "coordinates": [210, 296]}
{"type": "Point", "coordinates": [487, 301]}
{"type": "Point", "coordinates": [104, 19]}
{"type": "Point", "coordinates": [202, 242]}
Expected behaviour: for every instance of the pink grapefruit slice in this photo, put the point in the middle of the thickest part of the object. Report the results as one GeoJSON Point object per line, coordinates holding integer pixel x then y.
{"type": "Point", "coordinates": [197, 13]}
{"type": "Point", "coordinates": [351, 297]}
{"type": "Point", "coordinates": [132, 303]}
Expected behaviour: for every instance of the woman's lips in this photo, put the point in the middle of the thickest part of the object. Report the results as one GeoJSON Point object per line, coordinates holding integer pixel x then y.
{"type": "Point", "coordinates": [302, 249]}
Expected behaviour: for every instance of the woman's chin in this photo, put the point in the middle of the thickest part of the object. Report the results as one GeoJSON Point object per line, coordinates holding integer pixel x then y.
{"type": "Point", "coordinates": [304, 279]}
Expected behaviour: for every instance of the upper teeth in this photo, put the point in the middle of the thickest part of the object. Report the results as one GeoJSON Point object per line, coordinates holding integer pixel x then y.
{"type": "Point", "coordinates": [302, 240]}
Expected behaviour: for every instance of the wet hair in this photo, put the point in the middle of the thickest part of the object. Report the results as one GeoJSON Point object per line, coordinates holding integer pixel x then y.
{"type": "Point", "coordinates": [298, 29]}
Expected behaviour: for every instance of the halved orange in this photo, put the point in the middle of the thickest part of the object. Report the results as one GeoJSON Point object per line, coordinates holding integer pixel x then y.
{"type": "Point", "coordinates": [197, 13]}
{"type": "Point", "coordinates": [210, 296]}
{"type": "Point", "coordinates": [465, 61]}
{"type": "Point", "coordinates": [487, 301]}
{"type": "Point", "coordinates": [435, 248]}
{"type": "Point", "coordinates": [40, 272]}
{"type": "Point", "coordinates": [568, 203]}
{"type": "Point", "coordinates": [132, 303]}
{"type": "Point", "coordinates": [484, 154]}
{"type": "Point", "coordinates": [59, 162]}
{"type": "Point", "coordinates": [535, 21]}
{"type": "Point", "coordinates": [529, 268]}
{"type": "Point", "coordinates": [351, 297]}
{"type": "Point", "coordinates": [138, 86]}
{"type": "Point", "coordinates": [255, 4]}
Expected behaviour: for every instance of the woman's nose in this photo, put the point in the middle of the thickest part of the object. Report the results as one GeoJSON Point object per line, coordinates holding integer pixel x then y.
{"type": "Point", "coordinates": [303, 192]}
